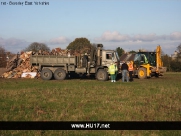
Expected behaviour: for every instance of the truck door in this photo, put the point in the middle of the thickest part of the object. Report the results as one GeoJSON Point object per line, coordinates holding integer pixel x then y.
{"type": "Point", "coordinates": [109, 57]}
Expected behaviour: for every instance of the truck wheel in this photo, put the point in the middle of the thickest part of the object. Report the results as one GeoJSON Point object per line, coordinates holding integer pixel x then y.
{"type": "Point", "coordinates": [156, 75]}
{"type": "Point", "coordinates": [102, 75]}
{"type": "Point", "coordinates": [46, 74]}
{"type": "Point", "coordinates": [59, 74]}
{"type": "Point", "coordinates": [142, 73]}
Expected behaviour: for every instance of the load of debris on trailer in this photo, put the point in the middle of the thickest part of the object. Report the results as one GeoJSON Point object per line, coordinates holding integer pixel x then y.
{"type": "Point", "coordinates": [19, 65]}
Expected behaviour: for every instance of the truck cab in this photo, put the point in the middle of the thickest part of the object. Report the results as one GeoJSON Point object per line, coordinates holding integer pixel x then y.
{"type": "Point", "coordinates": [109, 56]}
{"type": "Point", "coordinates": [104, 59]}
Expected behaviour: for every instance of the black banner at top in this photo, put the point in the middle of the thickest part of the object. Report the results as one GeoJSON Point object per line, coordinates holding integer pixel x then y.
{"type": "Point", "coordinates": [90, 125]}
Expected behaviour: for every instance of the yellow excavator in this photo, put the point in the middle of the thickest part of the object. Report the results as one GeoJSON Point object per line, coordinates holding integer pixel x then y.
{"type": "Point", "coordinates": [148, 64]}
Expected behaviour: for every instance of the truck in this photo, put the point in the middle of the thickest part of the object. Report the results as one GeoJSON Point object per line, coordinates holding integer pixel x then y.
{"type": "Point", "coordinates": [95, 63]}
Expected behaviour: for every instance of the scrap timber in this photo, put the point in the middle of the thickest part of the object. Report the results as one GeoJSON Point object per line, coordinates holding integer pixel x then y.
{"type": "Point", "coordinates": [19, 66]}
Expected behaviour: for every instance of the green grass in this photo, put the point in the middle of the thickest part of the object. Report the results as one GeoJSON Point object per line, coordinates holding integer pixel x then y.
{"type": "Point", "coordinates": [154, 99]}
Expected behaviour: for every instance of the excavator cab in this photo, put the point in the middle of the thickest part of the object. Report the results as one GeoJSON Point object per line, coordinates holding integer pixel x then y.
{"type": "Point", "coordinates": [142, 58]}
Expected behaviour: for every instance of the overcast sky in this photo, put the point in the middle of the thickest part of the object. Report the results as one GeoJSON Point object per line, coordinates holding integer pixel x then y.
{"type": "Point", "coordinates": [129, 24]}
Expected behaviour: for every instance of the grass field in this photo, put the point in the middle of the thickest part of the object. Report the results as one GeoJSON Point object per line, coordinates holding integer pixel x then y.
{"type": "Point", "coordinates": [154, 99]}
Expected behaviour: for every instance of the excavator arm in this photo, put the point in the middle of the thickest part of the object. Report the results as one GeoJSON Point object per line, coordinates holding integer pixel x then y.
{"type": "Point", "coordinates": [159, 62]}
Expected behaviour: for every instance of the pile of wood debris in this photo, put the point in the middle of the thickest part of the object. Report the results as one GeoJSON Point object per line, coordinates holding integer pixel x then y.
{"type": "Point", "coordinates": [19, 66]}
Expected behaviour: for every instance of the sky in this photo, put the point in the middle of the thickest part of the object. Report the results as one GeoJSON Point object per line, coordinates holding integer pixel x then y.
{"type": "Point", "coordinates": [128, 24]}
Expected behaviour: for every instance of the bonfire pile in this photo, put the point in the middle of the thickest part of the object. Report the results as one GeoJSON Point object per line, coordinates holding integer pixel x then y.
{"type": "Point", "coordinates": [19, 66]}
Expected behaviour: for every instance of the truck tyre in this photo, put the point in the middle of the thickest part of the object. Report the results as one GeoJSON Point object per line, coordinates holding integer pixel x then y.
{"type": "Point", "coordinates": [142, 73]}
{"type": "Point", "coordinates": [102, 75]}
{"type": "Point", "coordinates": [59, 74]}
{"type": "Point", "coordinates": [156, 75]}
{"type": "Point", "coordinates": [46, 74]}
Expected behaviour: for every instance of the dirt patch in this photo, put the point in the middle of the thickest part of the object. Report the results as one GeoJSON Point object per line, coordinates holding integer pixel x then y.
{"type": "Point", "coordinates": [2, 70]}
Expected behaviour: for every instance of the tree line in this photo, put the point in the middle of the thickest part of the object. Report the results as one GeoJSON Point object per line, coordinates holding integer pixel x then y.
{"type": "Point", "coordinates": [172, 64]}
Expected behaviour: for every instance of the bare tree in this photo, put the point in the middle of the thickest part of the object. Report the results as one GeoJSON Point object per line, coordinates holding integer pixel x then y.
{"type": "Point", "coordinates": [179, 53]}
{"type": "Point", "coordinates": [35, 47]}
{"type": "Point", "coordinates": [2, 57]}
{"type": "Point", "coordinates": [179, 48]}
